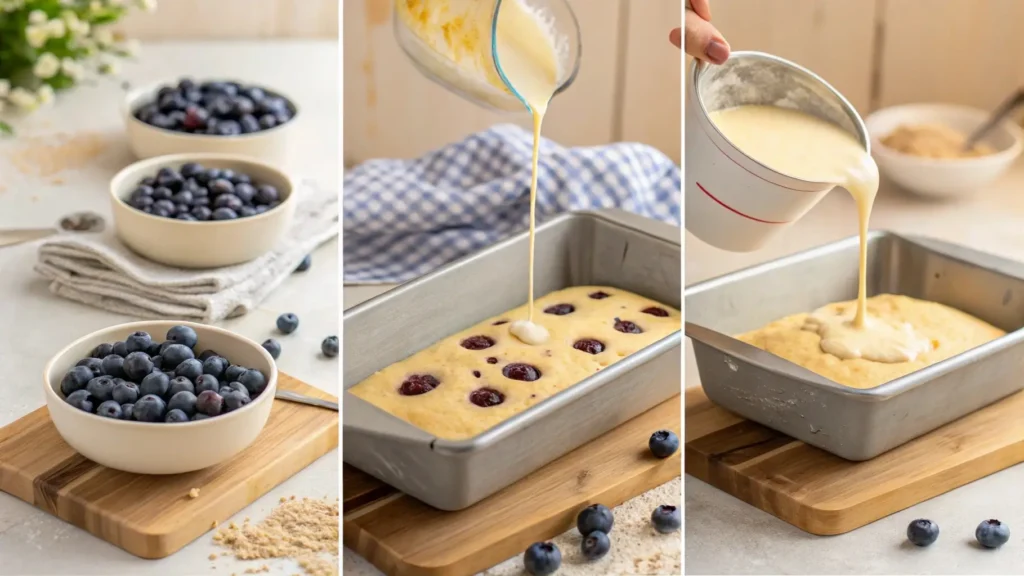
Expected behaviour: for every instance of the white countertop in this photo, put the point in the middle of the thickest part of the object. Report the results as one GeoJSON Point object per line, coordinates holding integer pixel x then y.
{"type": "Point", "coordinates": [726, 536]}
{"type": "Point", "coordinates": [635, 549]}
{"type": "Point", "coordinates": [36, 324]}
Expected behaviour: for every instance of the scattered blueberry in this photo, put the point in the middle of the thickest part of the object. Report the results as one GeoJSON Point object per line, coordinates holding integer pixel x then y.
{"type": "Point", "coordinates": [560, 309]}
{"type": "Point", "coordinates": [80, 399]}
{"type": "Point", "coordinates": [109, 409]}
{"type": "Point", "coordinates": [213, 109]}
{"type": "Point", "coordinates": [627, 327]}
{"type": "Point", "coordinates": [287, 322]}
{"type": "Point", "coordinates": [542, 559]}
{"type": "Point", "coordinates": [519, 371]}
{"type": "Point", "coordinates": [486, 397]}
{"type": "Point", "coordinates": [922, 532]}
{"type": "Point", "coordinates": [595, 518]}
{"type": "Point", "coordinates": [663, 443]}
{"type": "Point", "coordinates": [992, 533]}
{"type": "Point", "coordinates": [305, 264]}
{"type": "Point", "coordinates": [76, 379]}
{"type": "Point", "coordinates": [666, 519]}
{"type": "Point", "coordinates": [273, 347]}
{"type": "Point", "coordinates": [589, 345]}
{"type": "Point", "coordinates": [595, 545]}
{"type": "Point", "coordinates": [330, 346]}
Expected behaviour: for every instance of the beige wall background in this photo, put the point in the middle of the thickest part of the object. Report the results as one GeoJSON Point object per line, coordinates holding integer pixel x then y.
{"type": "Point", "coordinates": [241, 19]}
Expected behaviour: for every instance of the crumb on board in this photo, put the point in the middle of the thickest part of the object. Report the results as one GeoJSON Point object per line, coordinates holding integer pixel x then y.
{"type": "Point", "coordinates": [193, 493]}
{"type": "Point", "coordinates": [213, 557]}
{"type": "Point", "coordinates": [213, 524]}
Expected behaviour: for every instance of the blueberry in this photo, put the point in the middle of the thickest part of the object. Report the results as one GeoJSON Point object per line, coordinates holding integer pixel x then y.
{"type": "Point", "coordinates": [992, 533]}
{"type": "Point", "coordinates": [233, 373]}
{"type": "Point", "coordinates": [560, 309]}
{"type": "Point", "coordinates": [206, 382]}
{"type": "Point", "coordinates": [137, 366]}
{"type": "Point", "coordinates": [287, 323]}
{"type": "Point", "coordinates": [595, 518]}
{"type": "Point", "coordinates": [191, 369]}
{"type": "Point", "coordinates": [183, 335]}
{"type": "Point", "coordinates": [202, 213]}
{"type": "Point", "coordinates": [922, 532]}
{"type": "Point", "coordinates": [221, 186]}
{"type": "Point", "coordinates": [254, 382]}
{"type": "Point", "coordinates": [663, 443]}
{"type": "Point", "coordinates": [245, 192]}
{"type": "Point", "coordinates": [183, 198]}
{"type": "Point", "coordinates": [595, 545]}
{"type": "Point", "coordinates": [199, 416]}
{"type": "Point", "coordinates": [113, 365]}
{"type": "Point", "coordinates": [186, 217]}
{"type": "Point", "coordinates": [190, 169]}
{"type": "Point", "coordinates": [666, 519]}
{"type": "Point", "coordinates": [155, 384]}
{"type": "Point", "coordinates": [93, 364]}
{"type": "Point", "coordinates": [238, 387]}
{"type": "Point", "coordinates": [542, 558]}
{"type": "Point", "coordinates": [235, 400]}
{"type": "Point", "coordinates": [267, 121]}
{"type": "Point", "coordinates": [175, 354]}
{"type": "Point", "coordinates": [80, 399]}
{"type": "Point", "coordinates": [138, 342]}
{"type": "Point", "coordinates": [175, 416]}
{"type": "Point", "coordinates": [207, 354]}
{"type": "Point", "coordinates": [417, 384]}
{"type": "Point", "coordinates": [120, 348]}
{"type": "Point", "coordinates": [305, 264]}
{"type": "Point", "coordinates": [210, 403]}
{"type": "Point", "coordinates": [196, 118]}
{"type": "Point", "coordinates": [184, 401]}
{"type": "Point", "coordinates": [127, 411]}
{"type": "Point", "coordinates": [266, 194]}
{"type": "Point", "coordinates": [125, 392]}
{"type": "Point", "coordinates": [76, 379]}
{"type": "Point", "coordinates": [249, 124]}
{"type": "Point", "coordinates": [153, 349]}
{"type": "Point", "coordinates": [273, 347]}
{"type": "Point", "coordinates": [228, 201]}
{"type": "Point", "coordinates": [329, 346]}
{"type": "Point", "coordinates": [180, 384]}
{"type": "Point", "coordinates": [224, 214]}
{"type": "Point", "coordinates": [158, 362]}
{"type": "Point", "coordinates": [215, 366]}
{"type": "Point", "coordinates": [246, 212]}
{"type": "Point", "coordinates": [101, 388]}
{"type": "Point", "coordinates": [109, 409]}
{"type": "Point", "coordinates": [162, 193]}
{"type": "Point", "coordinates": [102, 351]}
{"type": "Point", "coordinates": [142, 203]}
{"type": "Point", "coordinates": [149, 408]}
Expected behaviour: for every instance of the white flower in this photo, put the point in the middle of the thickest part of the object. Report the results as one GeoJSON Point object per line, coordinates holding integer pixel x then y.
{"type": "Point", "coordinates": [45, 94]}
{"type": "Point", "coordinates": [56, 28]}
{"type": "Point", "coordinates": [95, 5]}
{"type": "Point", "coordinates": [5, 87]}
{"type": "Point", "coordinates": [23, 98]}
{"type": "Point", "coordinates": [109, 67]}
{"type": "Point", "coordinates": [47, 66]}
{"type": "Point", "coordinates": [103, 36]}
{"type": "Point", "coordinates": [36, 35]}
{"type": "Point", "coordinates": [37, 17]}
{"type": "Point", "coordinates": [75, 26]}
{"type": "Point", "coordinates": [148, 5]}
{"type": "Point", "coordinates": [72, 69]}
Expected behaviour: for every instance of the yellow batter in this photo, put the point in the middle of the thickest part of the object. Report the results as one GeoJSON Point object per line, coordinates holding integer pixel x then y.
{"type": "Point", "coordinates": [447, 411]}
{"type": "Point", "coordinates": [947, 331]}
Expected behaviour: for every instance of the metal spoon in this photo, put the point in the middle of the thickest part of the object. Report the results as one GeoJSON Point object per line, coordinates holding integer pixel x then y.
{"type": "Point", "coordinates": [1004, 110]}
{"type": "Point", "coordinates": [303, 399]}
{"type": "Point", "coordinates": [88, 222]}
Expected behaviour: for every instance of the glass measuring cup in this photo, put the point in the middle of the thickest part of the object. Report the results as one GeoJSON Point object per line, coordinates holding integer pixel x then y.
{"type": "Point", "coordinates": [452, 42]}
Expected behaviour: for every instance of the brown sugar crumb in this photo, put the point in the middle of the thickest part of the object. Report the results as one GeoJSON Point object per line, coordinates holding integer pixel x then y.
{"type": "Point", "coordinates": [213, 557]}
{"type": "Point", "coordinates": [263, 568]}
{"type": "Point", "coordinates": [48, 156]}
{"type": "Point", "coordinates": [304, 530]}
{"type": "Point", "coordinates": [213, 524]}
{"type": "Point", "coordinates": [282, 500]}
{"type": "Point", "coordinates": [193, 493]}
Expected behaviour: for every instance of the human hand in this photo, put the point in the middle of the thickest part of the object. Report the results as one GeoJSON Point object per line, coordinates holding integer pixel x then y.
{"type": "Point", "coordinates": [703, 41]}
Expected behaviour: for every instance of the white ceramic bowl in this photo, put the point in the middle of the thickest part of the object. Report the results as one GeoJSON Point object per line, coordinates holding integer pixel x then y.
{"type": "Point", "coordinates": [210, 244]}
{"type": "Point", "coordinates": [148, 141]}
{"type": "Point", "coordinates": [940, 178]}
{"type": "Point", "coordinates": [161, 448]}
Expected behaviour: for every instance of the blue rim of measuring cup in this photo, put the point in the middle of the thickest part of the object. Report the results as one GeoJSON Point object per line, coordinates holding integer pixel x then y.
{"type": "Point", "coordinates": [497, 61]}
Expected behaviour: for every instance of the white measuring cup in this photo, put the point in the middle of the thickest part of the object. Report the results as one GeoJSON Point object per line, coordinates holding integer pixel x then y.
{"type": "Point", "coordinates": [452, 42]}
{"type": "Point", "coordinates": [734, 202]}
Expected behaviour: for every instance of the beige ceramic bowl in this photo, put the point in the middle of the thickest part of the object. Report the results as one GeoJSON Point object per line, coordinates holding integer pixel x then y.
{"type": "Point", "coordinates": [210, 244]}
{"type": "Point", "coordinates": [148, 141]}
{"type": "Point", "coordinates": [160, 448]}
{"type": "Point", "coordinates": [941, 178]}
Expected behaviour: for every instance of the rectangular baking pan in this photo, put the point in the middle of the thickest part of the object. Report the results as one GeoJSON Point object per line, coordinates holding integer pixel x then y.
{"type": "Point", "coordinates": [852, 423]}
{"type": "Point", "coordinates": [607, 247]}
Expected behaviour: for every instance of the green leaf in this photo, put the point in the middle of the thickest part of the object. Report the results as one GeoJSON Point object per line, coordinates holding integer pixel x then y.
{"type": "Point", "coordinates": [5, 129]}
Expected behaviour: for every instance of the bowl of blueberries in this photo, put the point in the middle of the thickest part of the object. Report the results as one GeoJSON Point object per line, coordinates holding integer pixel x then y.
{"type": "Point", "coordinates": [160, 397]}
{"type": "Point", "coordinates": [221, 116]}
{"type": "Point", "coordinates": [202, 210]}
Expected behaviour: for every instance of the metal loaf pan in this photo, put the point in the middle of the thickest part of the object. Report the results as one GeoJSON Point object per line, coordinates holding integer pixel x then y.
{"type": "Point", "coordinates": [851, 423]}
{"type": "Point", "coordinates": [608, 247]}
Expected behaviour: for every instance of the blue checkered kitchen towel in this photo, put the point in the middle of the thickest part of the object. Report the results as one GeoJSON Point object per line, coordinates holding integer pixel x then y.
{"type": "Point", "coordinates": [404, 218]}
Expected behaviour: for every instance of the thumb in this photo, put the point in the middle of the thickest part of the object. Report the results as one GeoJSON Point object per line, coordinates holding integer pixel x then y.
{"type": "Point", "coordinates": [703, 40]}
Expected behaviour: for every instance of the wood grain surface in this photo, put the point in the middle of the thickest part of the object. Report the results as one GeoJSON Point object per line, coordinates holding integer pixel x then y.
{"type": "Point", "coordinates": [153, 516]}
{"type": "Point", "coordinates": [824, 494]}
{"type": "Point", "coordinates": [404, 537]}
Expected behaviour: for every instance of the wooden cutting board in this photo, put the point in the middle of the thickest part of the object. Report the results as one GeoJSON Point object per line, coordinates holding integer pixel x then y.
{"type": "Point", "coordinates": [825, 494]}
{"type": "Point", "coordinates": [153, 516]}
{"type": "Point", "coordinates": [404, 537]}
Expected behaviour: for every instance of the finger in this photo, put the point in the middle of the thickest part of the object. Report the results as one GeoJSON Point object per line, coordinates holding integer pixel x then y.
{"type": "Point", "coordinates": [704, 41]}
{"type": "Point", "coordinates": [702, 8]}
{"type": "Point", "coordinates": [676, 37]}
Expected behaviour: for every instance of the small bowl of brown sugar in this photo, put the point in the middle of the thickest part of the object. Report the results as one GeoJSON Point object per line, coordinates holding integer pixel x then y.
{"type": "Point", "coordinates": [921, 147]}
